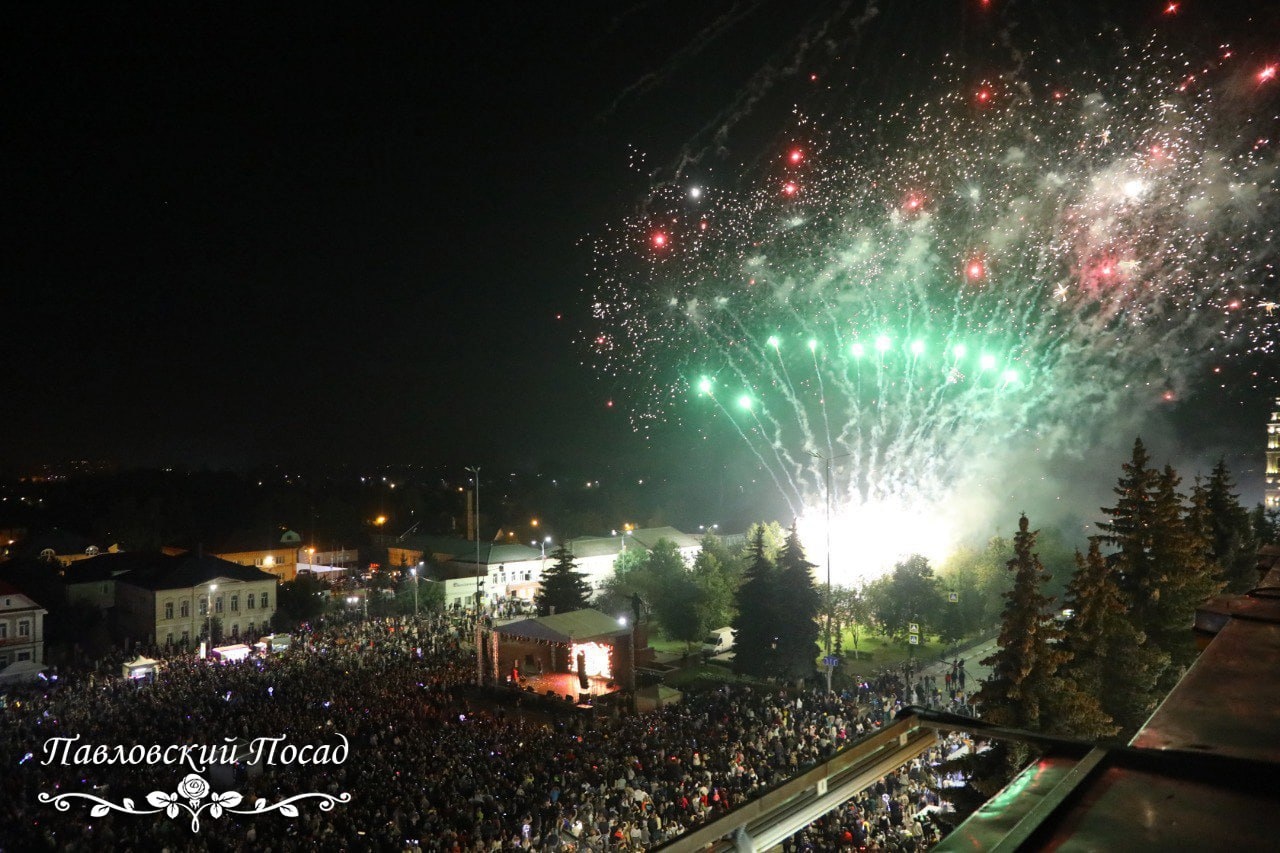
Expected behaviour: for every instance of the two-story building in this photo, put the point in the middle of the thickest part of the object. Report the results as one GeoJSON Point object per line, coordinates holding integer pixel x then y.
{"type": "Point", "coordinates": [275, 553]}
{"type": "Point", "coordinates": [21, 627]}
{"type": "Point", "coordinates": [179, 599]}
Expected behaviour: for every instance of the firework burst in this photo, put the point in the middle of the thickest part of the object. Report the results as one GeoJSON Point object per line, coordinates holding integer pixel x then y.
{"type": "Point", "coordinates": [896, 300]}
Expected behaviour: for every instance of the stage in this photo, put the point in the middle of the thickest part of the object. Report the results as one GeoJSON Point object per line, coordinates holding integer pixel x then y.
{"type": "Point", "coordinates": [562, 684]}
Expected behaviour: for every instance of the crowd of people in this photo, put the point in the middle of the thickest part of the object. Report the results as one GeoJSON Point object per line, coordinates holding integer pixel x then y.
{"type": "Point", "coordinates": [435, 764]}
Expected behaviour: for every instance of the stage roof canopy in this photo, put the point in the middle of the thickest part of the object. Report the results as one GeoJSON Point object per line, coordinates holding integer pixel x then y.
{"type": "Point", "coordinates": [573, 627]}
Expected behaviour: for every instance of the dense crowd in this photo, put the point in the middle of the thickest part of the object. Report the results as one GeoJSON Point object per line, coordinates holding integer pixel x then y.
{"type": "Point", "coordinates": [436, 764]}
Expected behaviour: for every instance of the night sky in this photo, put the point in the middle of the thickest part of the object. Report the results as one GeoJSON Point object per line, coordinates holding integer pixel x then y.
{"type": "Point", "coordinates": [241, 235]}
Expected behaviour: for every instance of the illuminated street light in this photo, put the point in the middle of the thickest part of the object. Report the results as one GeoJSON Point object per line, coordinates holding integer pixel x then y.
{"type": "Point", "coordinates": [475, 473]}
{"type": "Point", "coordinates": [414, 572]}
{"type": "Point", "coordinates": [826, 461]}
{"type": "Point", "coordinates": [213, 587]}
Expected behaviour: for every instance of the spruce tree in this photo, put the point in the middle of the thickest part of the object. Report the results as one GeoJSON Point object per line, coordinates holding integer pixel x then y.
{"type": "Point", "coordinates": [1235, 547]}
{"type": "Point", "coordinates": [1186, 576]}
{"type": "Point", "coordinates": [1110, 659]}
{"type": "Point", "coordinates": [1131, 531]}
{"type": "Point", "coordinates": [1024, 689]}
{"type": "Point", "coordinates": [563, 588]}
{"type": "Point", "coordinates": [755, 633]}
{"type": "Point", "coordinates": [800, 604]}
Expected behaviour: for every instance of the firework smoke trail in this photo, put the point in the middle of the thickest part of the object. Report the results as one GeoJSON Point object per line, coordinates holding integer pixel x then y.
{"type": "Point", "coordinates": [1022, 261]}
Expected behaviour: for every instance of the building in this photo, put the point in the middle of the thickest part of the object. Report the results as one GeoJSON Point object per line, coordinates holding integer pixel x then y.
{"type": "Point", "coordinates": [57, 546]}
{"type": "Point", "coordinates": [506, 572]}
{"type": "Point", "coordinates": [275, 553]}
{"type": "Point", "coordinates": [1271, 498]}
{"type": "Point", "coordinates": [595, 555]}
{"type": "Point", "coordinates": [21, 627]}
{"type": "Point", "coordinates": [175, 600]}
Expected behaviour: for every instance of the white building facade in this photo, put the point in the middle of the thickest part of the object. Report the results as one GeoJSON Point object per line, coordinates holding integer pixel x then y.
{"type": "Point", "coordinates": [21, 627]}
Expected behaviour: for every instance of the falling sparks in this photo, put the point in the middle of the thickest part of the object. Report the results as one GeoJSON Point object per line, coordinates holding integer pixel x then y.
{"type": "Point", "coordinates": [1109, 231]}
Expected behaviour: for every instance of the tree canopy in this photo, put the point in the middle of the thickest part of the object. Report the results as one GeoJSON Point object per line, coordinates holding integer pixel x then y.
{"type": "Point", "coordinates": [563, 588]}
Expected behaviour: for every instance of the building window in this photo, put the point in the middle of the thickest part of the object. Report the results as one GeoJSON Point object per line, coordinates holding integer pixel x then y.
{"type": "Point", "coordinates": [184, 609]}
{"type": "Point", "coordinates": [217, 604]}
{"type": "Point", "coordinates": [168, 610]}
{"type": "Point", "coordinates": [204, 607]}
{"type": "Point", "coordinates": [4, 661]}
{"type": "Point", "coordinates": [186, 637]}
{"type": "Point", "coordinates": [235, 603]}
{"type": "Point", "coordinates": [249, 600]}
{"type": "Point", "coordinates": [24, 655]}
{"type": "Point", "coordinates": [249, 629]}
{"type": "Point", "coordinates": [168, 640]}
{"type": "Point", "coordinates": [24, 628]}
{"type": "Point", "coordinates": [4, 630]}
{"type": "Point", "coordinates": [263, 601]}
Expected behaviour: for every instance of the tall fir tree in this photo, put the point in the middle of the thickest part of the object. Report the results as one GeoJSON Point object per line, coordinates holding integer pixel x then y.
{"type": "Point", "coordinates": [1110, 659]}
{"type": "Point", "coordinates": [563, 588]}
{"type": "Point", "coordinates": [1187, 576]}
{"type": "Point", "coordinates": [1131, 532]}
{"type": "Point", "coordinates": [1235, 546]}
{"type": "Point", "coordinates": [755, 634]}
{"type": "Point", "coordinates": [1024, 689]}
{"type": "Point", "coordinates": [800, 604]}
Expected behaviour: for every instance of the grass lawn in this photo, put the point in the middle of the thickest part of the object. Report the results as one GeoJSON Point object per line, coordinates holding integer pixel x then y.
{"type": "Point", "coordinates": [705, 675]}
{"type": "Point", "coordinates": [661, 644]}
{"type": "Point", "coordinates": [875, 653]}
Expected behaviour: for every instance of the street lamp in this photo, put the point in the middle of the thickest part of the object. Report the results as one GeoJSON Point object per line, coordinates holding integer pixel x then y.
{"type": "Point", "coordinates": [826, 488]}
{"type": "Point", "coordinates": [475, 472]}
{"type": "Point", "coordinates": [213, 587]}
{"type": "Point", "coordinates": [414, 572]}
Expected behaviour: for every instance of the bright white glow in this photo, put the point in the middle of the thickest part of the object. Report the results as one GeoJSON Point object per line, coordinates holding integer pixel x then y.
{"type": "Point", "coordinates": [1134, 188]}
{"type": "Point", "coordinates": [868, 539]}
{"type": "Point", "coordinates": [597, 658]}
{"type": "Point", "coordinates": [695, 192]}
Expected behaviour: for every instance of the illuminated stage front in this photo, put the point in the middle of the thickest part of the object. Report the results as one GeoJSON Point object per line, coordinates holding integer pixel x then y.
{"type": "Point", "coordinates": [579, 655]}
{"type": "Point", "coordinates": [566, 685]}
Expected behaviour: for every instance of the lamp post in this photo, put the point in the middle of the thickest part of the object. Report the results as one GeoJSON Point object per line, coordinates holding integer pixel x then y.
{"type": "Point", "coordinates": [414, 572]}
{"type": "Point", "coordinates": [826, 490]}
{"type": "Point", "coordinates": [213, 587]}
{"type": "Point", "coordinates": [475, 472]}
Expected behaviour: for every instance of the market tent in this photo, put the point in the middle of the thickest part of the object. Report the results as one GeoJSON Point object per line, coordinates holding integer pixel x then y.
{"type": "Point", "coordinates": [21, 672]}
{"type": "Point", "coordinates": [139, 667]}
